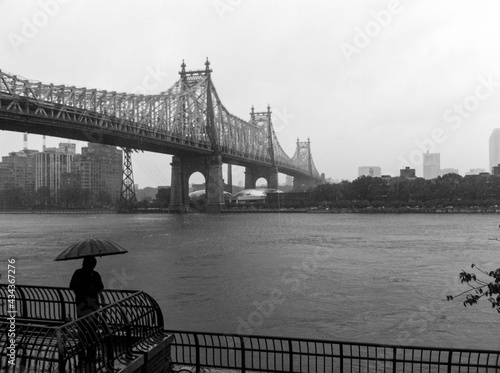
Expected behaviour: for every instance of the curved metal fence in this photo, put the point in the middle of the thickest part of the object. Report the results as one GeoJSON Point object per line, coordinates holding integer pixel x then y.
{"type": "Point", "coordinates": [47, 338]}
{"type": "Point", "coordinates": [50, 304]}
{"type": "Point", "coordinates": [276, 354]}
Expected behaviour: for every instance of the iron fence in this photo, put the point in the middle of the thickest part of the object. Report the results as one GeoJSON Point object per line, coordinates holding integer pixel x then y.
{"type": "Point", "coordinates": [276, 354]}
{"type": "Point", "coordinates": [48, 338]}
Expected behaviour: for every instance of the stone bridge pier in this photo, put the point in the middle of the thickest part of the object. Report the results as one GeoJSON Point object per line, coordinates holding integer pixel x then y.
{"type": "Point", "coordinates": [182, 168]}
{"type": "Point", "coordinates": [252, 174]}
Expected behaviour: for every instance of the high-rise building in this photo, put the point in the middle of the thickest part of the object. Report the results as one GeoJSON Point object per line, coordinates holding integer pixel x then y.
{"type": "Point", "coordinates": [22, 168]}
{"type": "Point", "coordinates": [373, 171]}
{"type": "Point", "coordinates": [475, 171]}
{"type": "Point", "coordinates": [100, 169]}
{"type": "Point", "coordinates": [495, 148]}
{"type": "Point", "coordinates": [6, 177]}
{"type": "Point", "coordinates": [432, 165]}
{"type": "Point", "coordinates": [50, 165]}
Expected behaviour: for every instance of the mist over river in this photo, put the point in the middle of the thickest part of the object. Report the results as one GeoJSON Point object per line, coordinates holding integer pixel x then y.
{"type": "Point", "coordinates": [354, 277]}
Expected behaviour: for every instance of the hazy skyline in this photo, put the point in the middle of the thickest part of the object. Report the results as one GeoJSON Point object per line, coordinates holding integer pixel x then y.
{"type": "Point", "coordinates": [369, 84]}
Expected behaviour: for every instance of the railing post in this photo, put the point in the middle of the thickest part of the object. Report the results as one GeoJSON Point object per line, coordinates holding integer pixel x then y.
{"type": "Point", "coordinates": [197, 352]}
{"type": "Point", "coordinates": [243, 362]}
{"type": "Point", "coordinates": [128, 331]}
{"type": "Point", "coordinates": [23, 301]}
{"type": "Point", "coordinates": [290, 351]}
{"type": "Point", "coordinates": [60, 348]}
{"type": "Point", "coordinates": [394, 351]}
{"type": "Point", "coordinates": [62, 305]}
{"type": "Point", "coordinates": [341, 346]}
{"type": "Point", "coordinates": [450, 355]}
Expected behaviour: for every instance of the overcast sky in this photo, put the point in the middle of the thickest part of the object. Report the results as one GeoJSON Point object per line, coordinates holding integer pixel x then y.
{"type": "Point", "coordinates": [369, 82]}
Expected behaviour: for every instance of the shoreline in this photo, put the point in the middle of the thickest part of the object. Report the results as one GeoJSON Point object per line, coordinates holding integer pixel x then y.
{"type": "Point", "coordinates": [298, 210]}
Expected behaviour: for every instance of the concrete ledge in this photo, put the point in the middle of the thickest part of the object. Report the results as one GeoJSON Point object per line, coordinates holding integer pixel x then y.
{"type": "Point", "coordinates": [154, 359]}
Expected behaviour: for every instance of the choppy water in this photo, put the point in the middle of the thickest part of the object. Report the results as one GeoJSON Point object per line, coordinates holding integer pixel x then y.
{"type": "Point", "coordinates": [371, 278]}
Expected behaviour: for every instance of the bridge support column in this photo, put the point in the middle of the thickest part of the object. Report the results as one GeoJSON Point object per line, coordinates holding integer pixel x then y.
{"type": "Point", "coordinates": [249, 178]}
{"type": "Point", "coordinates": [179, 191]}
{"type": "Point", "coordinates": [272, 181]}
{"type": "Point", "coordinates": [183, 168]}
{"type": "Point", "coordinates": [214, 186]}
{"type": "Point", "coordinates": [252, 174]}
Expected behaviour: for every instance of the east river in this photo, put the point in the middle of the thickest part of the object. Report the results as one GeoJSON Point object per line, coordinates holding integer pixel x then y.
{"type": "Point", "coordinates": [352, 277]}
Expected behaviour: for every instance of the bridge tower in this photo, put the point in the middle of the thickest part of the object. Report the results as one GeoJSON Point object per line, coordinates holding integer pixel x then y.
{"type": "Point", "coordinates": [127, 195]}
{"type": "Point", "coordinates": [303, 154]}
{"type": "Point", "coordinates": [210, 166]}
{"type": "Point", "coordinates": [252, 174]}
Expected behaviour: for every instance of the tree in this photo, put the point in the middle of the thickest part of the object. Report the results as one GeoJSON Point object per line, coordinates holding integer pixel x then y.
{"type": "Point", "coordinates": [480, 288]}
{"type": "Point", "coordinates": [103, 198]}
{"type": "Point", "coordinates": [163, 197]}
{"type": "Point", "coordinates": [43, 196]}
{"type": "Point", "coordinates": [13, 198]}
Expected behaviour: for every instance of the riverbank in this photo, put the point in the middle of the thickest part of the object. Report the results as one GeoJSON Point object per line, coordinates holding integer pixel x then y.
{"type": "Point", "coordinates": [60, 211]}
{"type": "Point", "coordinates": [281, 210]}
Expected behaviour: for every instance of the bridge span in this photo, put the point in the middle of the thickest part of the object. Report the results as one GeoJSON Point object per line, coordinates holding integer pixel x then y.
{"type": "Point", "coordinates": [187, 121]}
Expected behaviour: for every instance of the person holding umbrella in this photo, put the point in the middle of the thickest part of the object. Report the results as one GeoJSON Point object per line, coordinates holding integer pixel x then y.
{"type": "Point", "coordinates": [86, 283]}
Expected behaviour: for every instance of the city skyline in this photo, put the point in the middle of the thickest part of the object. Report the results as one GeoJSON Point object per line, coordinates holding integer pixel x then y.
{"type": "Point", "coordinates": [365, 80]}
{"type": "Point", "coordinates": [56, 173]}
{"type": "Point", "coordinates": [374, 171]}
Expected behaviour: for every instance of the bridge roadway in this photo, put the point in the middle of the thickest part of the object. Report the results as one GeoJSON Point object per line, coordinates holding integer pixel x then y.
{"type": "Point", "coordinates": [110, 134]}
{"type": "Point", "coordinates": [188, 121]}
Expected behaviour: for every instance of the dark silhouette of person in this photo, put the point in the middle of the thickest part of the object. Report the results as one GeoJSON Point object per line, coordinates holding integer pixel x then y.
{"type": "Point", "coordinates": [87, 283]}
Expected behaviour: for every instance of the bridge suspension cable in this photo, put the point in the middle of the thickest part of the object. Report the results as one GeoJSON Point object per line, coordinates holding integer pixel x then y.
{"type": "Point", "coordinates": [189, 117]}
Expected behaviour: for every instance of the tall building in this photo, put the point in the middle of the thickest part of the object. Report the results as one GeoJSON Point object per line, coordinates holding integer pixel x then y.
{"type": "Point", "coordinates": [50, 165]}
{"type": "Point", "coordinates": [494, 148]}
{"type": "Point", "coordinates": [6, 177]}
{"type": "Point", "coordinates": [373, 171]}
{"type": "Point", "coordinates": [432, 165]}
{"type": "Point", "coordinates": [100, 170]}
{"type": "Point", "coordinates": [22, 168]}
{"type": "Point", "coordinates": [407, 173]}
{"type": "Point", "coordinates": [475, 171]}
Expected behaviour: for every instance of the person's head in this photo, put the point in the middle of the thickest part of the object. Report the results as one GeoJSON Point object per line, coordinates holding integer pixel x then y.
{"type": "Point", "coordinates": [89, 263]}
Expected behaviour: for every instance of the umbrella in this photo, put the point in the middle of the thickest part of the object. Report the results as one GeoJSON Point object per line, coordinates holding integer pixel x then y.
{"type": "Point", "coordinates": [91, 247]}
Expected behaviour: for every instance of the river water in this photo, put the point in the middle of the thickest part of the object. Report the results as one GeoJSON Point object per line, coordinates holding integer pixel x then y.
{"type": "Point", "coordinates": [352, 277]}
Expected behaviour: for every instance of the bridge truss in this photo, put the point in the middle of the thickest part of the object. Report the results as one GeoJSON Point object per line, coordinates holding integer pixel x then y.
{"type": "Point", "coordinates": [188, 118]}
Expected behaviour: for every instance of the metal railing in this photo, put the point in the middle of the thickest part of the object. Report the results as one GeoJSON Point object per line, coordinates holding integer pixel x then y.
{"type": "Point", "coordinates": [51, 305]}
{"type": "Point", "coordinates": [48, 338]}
{"type": "Point", "coordinates": [276, 354]}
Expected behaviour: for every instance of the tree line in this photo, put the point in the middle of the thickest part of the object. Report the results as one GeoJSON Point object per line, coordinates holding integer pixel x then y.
{"type": "Point", "coordinates": [450, 189]}
{"type": "Point", "coordinates": [68, 197]}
